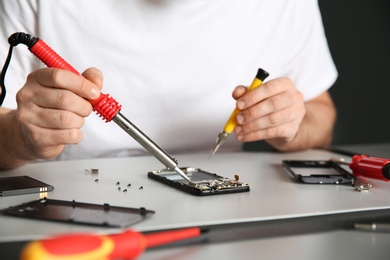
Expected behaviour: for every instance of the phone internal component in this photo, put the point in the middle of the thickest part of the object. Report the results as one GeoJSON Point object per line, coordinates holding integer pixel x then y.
{"type": "Point", "coordinates": [203, 182]}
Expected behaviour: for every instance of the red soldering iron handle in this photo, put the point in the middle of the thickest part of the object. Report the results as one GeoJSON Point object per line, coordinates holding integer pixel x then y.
{"type": "Point", "coordinates": [105, 106]}
{"type": "Point", "coordinates": [371, 167]}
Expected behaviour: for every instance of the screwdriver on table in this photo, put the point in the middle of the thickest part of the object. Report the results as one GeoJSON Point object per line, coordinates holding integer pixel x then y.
{"type": "Point", "coordinates": [368, 166]}
{"type": "Point", "coordinates": [105, 106]}
{"type": "Point", "coordinates": [126, 245]}
{"type": "Point", "coordinates": [231, 123]}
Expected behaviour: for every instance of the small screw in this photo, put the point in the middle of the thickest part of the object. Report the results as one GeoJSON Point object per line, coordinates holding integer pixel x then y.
{"type": "Point", "coordinates": [125, 190]}
{"type": "Point", "coordinates": [117, 183]}
{"type": "Point", "coordinates": [119, 188]}
{"type": "Point", "coordinates": [129, 185]}
{"type": "Point", "coordinates": [364, 187]}
{"type": "Point", "coordinates": [141, 188]}
{"type": "Point", "coordinates": [96, 180]}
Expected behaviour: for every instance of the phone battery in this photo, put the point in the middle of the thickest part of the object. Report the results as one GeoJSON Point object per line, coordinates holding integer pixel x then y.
{"type": "Point", "coordinates": [16, 185]}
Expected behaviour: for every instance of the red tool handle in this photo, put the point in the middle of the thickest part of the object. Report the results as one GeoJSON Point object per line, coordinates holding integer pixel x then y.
{"type": "Point", "coordinates": [105, 106]}
{"type": "Point", "coordinates": [370, 167]}
{"type": "Point", "coordinates": [126, 245]}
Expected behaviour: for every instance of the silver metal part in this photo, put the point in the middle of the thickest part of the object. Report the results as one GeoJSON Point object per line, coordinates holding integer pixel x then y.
{"type": "Point", "coordinates": [382, 227]}
{"type": "Point", "coordinates": [339, 160]}
{"type": "Point", "coordinates": [222, 137]}
{"type": "Point", "coordinates": [364, 187]}
{"type": "Point", "coordinates": [182, 174]}
{"type": "Point", "coordinates": [92, 170]}
{"type": "Point", "coordinates": [148, 144]}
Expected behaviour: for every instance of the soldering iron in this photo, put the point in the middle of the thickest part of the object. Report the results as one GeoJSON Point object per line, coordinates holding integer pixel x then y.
{"type": "Point", "coordinates": [105, 106]}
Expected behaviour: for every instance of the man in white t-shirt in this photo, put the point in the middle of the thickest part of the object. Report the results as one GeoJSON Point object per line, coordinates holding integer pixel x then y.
{"type": "Point", "coordinates": [173, 65]}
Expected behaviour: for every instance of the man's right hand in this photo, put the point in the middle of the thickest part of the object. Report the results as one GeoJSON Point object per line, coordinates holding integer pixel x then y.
{"type": "Point", "coordinates": [51, 109]}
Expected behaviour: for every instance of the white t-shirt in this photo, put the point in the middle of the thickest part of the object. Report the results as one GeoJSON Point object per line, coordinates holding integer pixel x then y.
{"type": "Point", "coordinates": [172, 64]}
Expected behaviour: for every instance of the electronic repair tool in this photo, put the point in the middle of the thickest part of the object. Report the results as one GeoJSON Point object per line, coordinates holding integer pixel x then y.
{"type": "Point", "coordinates": [105, 106]}
{"type": "Point", "coordinates": [368, 166]}
{"type": "Point", "coordinates": [231, 123]}
{"type": "Point", "coordinates": [127, 245]}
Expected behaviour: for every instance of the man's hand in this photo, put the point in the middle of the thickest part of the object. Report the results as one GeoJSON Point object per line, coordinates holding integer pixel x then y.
{"type": "Point", "coordinates": [276, 112]}
{"type": "Point", "coordinates": [51, 109]}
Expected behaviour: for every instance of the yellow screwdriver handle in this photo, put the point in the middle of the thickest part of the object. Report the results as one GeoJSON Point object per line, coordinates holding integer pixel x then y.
{"type": "Point", "coordinates": [232, 122]}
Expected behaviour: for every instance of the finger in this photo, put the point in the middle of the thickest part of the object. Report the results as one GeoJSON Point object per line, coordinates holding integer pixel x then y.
{"type": "Point", "coordinates": [274, 119]}
{"type": "Point", "coordinates": [51, 118]}
{"type": "Point", "coordinates": [53, 98]}
{"type": "Point", "coordinates": [47, 143]}
{"type": "Point", "coordinates": [266, 107]}
{"type": "Point", "coordinates": [63, 79]}
{"type": "Point", "coordinates": [286, 131]}
{"type": "Point", "coordinates": [94, 75]}
{"type": "Point", "coordinates": [239, 91]}
{"type": "Point", "coordinates": [266, 90]}
{"type": "Point", "coordinates": [41, 137]}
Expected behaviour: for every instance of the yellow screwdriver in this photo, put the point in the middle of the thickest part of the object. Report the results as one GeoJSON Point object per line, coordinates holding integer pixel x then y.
{"type": "Point", "coordinates": [231, 123]}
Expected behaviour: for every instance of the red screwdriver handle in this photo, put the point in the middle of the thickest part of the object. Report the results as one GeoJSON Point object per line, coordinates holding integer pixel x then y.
{"type": "Point", "coordinates": [371, 167]}
{"type": "Point", "coordinates": [105, 106]}
{"type": "Point", "coordinates": [126, 245]}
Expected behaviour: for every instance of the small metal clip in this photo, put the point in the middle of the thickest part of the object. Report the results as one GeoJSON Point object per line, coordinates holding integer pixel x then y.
{"type": "Point", "coordinates": [364, 187]}
{"type": "Point", "coordinates": [93, 170]}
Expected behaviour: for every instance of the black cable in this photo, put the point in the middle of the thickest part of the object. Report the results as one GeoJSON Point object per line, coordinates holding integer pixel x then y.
{"type": "Point", "coordinates": [2, 76]}
{"type": "Point", "coordinates": [13, 40]}
{"type": "Point", "coordinates": [20, 37]}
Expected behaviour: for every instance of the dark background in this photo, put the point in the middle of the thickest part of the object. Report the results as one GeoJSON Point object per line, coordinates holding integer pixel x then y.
{"type": "Point", "coordinates": [358, 34]}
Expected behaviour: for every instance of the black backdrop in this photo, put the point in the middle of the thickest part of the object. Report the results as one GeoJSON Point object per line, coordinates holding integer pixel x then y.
{"type": "Point", "coordinates": [358, 33]}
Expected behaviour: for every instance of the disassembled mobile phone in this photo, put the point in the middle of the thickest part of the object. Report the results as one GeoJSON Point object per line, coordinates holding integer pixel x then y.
{"type": "Point", "coordinates": [17, 185]}
{"type": "Point", "coordinates": [203, 182]}
{"type": "Point", "coordinates": [79, 213]}
{"type": "Point", "coordinates": [318, 172]}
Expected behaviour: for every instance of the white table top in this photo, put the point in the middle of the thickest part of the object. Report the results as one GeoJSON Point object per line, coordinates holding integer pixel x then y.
{"type": "Point", "coordinates": [320, 246]}
{"type": "Point", "coordinates": [273, 195]}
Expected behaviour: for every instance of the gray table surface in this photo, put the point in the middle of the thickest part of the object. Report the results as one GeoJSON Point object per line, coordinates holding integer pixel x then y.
{"type": "Point", "coordinates": [274, 195]}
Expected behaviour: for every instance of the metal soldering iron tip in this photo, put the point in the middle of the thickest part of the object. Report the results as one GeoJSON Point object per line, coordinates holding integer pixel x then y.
{"type": "Point", "coordinates": [182, 174]}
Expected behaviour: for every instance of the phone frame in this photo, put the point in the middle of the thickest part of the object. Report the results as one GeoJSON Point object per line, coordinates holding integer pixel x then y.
{"type": "Point", "coordinates": [337, 174]}
{"type": "Point", "coordinates": [75, 212]}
